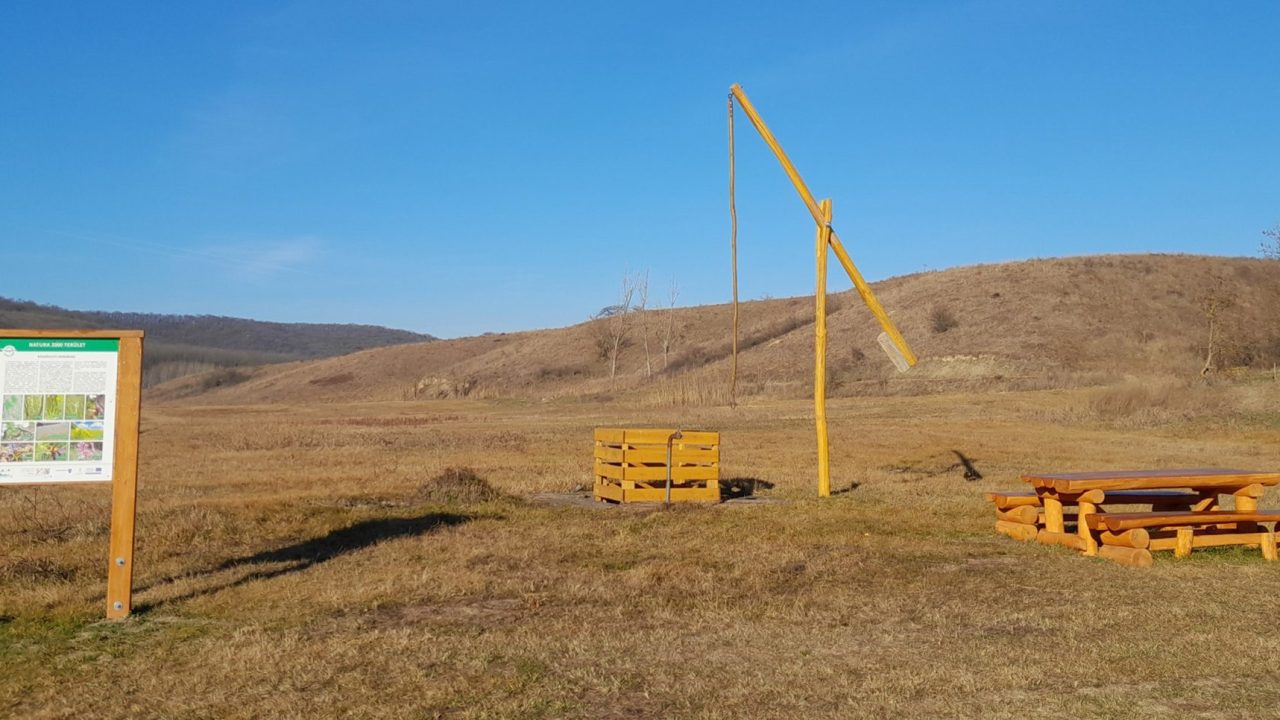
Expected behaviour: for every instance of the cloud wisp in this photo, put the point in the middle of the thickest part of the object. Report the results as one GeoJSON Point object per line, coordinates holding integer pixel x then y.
{"type": "Point", "coordinates": [249, 260]}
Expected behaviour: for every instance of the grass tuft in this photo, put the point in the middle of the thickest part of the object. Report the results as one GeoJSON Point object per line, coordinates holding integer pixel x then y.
{"type": "Point", "coordinates": [14, 570]}
{"type": "Point", "coordinates": [459, 486]}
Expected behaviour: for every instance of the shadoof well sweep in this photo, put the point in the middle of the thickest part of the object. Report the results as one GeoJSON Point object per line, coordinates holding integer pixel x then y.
{"type": "Point", "coordinates": [681, 466]}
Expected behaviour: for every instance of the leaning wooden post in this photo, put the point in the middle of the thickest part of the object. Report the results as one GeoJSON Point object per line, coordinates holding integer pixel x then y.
{"type": "Point", "coordinates": [124, 481]}
{"type": "Point", "coordinates": [820, 353]}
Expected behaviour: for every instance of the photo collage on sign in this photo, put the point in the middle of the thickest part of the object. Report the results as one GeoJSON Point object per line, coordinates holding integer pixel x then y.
{"type": "Point", "coordinates": [52, 428]}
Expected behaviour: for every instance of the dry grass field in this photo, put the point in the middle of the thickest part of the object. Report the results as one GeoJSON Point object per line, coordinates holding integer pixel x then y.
{"type": "Point", "coordinates": [304, 561]}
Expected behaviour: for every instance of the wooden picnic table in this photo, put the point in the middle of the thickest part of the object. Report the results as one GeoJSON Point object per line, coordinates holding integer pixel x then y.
{"type": "Point", "coordinates": [1192, 492]}
{"type": "Point", "coordinates": [1188, 478]}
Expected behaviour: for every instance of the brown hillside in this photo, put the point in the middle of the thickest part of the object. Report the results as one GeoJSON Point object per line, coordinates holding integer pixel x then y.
{"type": "Point", "coordinates": [1035, 323]}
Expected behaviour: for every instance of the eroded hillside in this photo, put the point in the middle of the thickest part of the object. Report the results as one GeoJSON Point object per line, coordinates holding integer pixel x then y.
{"type": "Point", "coordinates": [1035, 323]}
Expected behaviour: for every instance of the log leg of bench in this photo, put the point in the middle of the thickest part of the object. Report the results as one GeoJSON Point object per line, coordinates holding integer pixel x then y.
{"type": "Point", "coordinates": [1269, 545]}
{"type": "Point", "coordinates": [1053, 515]}
{"type": "Point", "coordinates": [1246, 499]}
{"type": "Point", "coordinates": [1182, 548]}
{"type": "Point", "coordinates": [1086, 509]}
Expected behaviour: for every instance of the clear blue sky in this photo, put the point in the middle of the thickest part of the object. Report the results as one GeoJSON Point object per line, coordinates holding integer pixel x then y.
{"type": "Point", "coordinates": [457, 168]}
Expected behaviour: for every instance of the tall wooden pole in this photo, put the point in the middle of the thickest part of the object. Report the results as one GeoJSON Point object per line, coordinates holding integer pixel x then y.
{"type": "Point", "coordinates": [124, 482]}
{"type": "Point", "coordinates": [820, 353]}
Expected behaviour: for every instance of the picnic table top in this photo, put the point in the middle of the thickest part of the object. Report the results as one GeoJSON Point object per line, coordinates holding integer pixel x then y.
{"type": "Point", "coordinates": [1151, 479]}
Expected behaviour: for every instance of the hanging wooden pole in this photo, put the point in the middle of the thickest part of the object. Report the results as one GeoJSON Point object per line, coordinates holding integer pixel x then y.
{"type": "Point", "coordinates": [733, 242]}
{"type": "Point", "coordinates": [820, 354]}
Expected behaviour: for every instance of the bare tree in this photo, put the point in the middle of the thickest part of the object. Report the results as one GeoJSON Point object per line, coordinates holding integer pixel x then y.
{"type": "Point", "coordinates": [669, 326]}
{"type": "Point", "coordinates": [641, 284]}
{"type": "Point", "coordinates": [618, 322]}
{"type": "Point", "coordinates": [1271, 246]}
{"type": "Point", "coordinates": [1213, 305]}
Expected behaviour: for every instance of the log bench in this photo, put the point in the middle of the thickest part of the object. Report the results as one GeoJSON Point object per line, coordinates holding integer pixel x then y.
{"type": "Point", "coordinates": [1155, 498]}
{"type": "Point", "coordinates": [1128, 538]}
{"type": "Point", "coordinates": [1022, 516]}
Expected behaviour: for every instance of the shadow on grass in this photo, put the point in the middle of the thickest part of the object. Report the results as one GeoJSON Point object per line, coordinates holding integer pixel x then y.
{"type": "Point", "coordinates": [742, 487]}
{"type": "Point", "coordinates": [312, 552]}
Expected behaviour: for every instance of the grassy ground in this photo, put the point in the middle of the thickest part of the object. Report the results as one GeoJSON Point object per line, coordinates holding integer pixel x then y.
{"type": "Point", "coordinates": [291, 565]}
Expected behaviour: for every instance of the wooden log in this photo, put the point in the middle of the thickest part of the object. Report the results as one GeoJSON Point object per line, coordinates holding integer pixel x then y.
{"type": "Point", "coordinates": [1091, 496]}
{"type": "Point", "coordinates": [1071, 498]}
{"type": "Point", "coordinates": [1025, 514]}
{"type": "Point", "coordinates": [1204, 539]}
{"type": "Point", "coordinates": [1182, 544]}
{"type": "Point", "coordinates": [1066, 518]}
{"type": "Point", "coordinates": [1246, 499]}
{"type": "Point", "coordinates": [1071, 540]}
{"type": "Point", "coordinates": [1228, 479]}
{"type": "Point", "coordinates": [1117, 522]}
{"type": "Point", "coordinates": [1253, 491]}
{"type": "Point", "coordinates": [1004, 501]}
{"type": "Point", "coordinates": [1053, 514]}
{"type": "Point", "coordinates": [1268, 544]}
{"type": "Point", "coordinates": [1017, 531]}
{"type": "Point", "coordinates": [1207, 503]}
{"type": "Point", "coordinates": [1086, 509]}
{"type": "Point", "coordinates": [1130, 557]}
{"type": "Point", "coordinates": [1137, 538]}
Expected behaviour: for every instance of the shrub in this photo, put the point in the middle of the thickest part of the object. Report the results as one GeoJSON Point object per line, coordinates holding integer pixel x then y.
{"type": "Point", "coordinates": [222, 378]}
{"type": "Point", "coordinates": [942, 320]}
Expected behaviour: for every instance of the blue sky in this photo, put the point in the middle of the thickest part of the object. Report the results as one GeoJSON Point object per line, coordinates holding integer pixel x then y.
{"type": "Point", "coordinates": [457, 168]}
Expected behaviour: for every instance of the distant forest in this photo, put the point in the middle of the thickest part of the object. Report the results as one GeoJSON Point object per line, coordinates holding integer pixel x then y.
{"type": "Point", "coordinates": [179, 345]}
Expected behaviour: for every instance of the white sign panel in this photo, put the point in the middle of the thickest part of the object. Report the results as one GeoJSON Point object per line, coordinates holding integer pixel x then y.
{"type": "Point", "coordinates": [57, 422]}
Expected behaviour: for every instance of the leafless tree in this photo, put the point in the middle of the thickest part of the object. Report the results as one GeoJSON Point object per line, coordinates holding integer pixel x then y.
{"type": "Point", "coordinates": [668, 329]}
{"type": "Point", "coordinates": [641, 283]}
{"type": "Point", "coordinates": [618, 322]}
{"type": "Point", "coordinates": [1214, 305]}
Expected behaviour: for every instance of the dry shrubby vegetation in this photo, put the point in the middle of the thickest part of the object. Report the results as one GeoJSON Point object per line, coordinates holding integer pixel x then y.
{"type": "Point", "coordinates": [357, 537]}
{"type": "Point", "coordinates": [941, 319]}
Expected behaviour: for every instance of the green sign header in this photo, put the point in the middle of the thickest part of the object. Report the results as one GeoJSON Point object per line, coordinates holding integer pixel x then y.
{"type": "Point", "coordinates": [60, 344]}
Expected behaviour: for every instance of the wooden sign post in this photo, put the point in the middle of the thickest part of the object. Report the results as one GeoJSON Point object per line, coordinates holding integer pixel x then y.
{"type": "Point", "coordinates": [71, 403]}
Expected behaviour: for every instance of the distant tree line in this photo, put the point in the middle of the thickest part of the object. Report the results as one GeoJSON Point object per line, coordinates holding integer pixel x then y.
{"type": "Point", "coordinates": [179, 345]}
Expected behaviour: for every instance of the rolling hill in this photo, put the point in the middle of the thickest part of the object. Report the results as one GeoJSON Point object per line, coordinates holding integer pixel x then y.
{"type": "Point", "coordinates": [1029, 324]}
{"type": "Point", "coordinates": [179, 345]}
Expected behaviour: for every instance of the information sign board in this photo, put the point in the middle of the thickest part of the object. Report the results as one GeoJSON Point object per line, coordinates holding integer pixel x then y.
{"type": "Point", "coordinates": [69, 411]}
{"type": "Point", "coordinates": [57, 417]}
